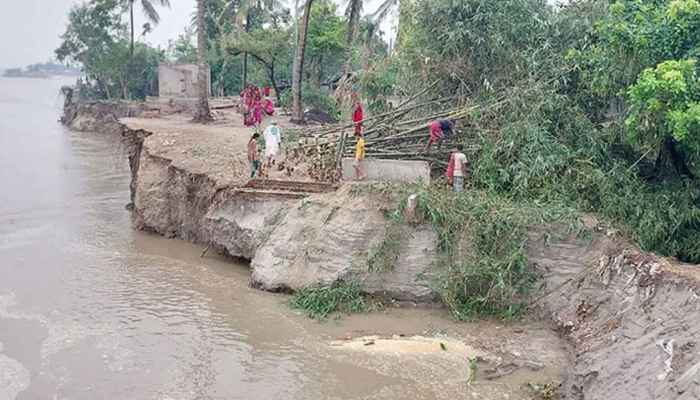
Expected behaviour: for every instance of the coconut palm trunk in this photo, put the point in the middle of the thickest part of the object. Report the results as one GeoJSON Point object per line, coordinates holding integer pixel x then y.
{"type": "Point", "coordinates": [369, 50]}
{"type": "Point", "coordinates": [202, 113]}
{"type": "Point", "coordinates": [153, 17]}
{"type": "Point", "coordinates": [297, 108]}
{"type": "Point", "coordinates": [354, 7]}
{"type": "Point", "coordinates": [130, 66]}
{"type": "Point", "coordinates": [244, 77]}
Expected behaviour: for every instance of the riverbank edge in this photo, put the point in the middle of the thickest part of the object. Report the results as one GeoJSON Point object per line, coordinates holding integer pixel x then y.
{"type": "Point", "coordinates": [628, 315]}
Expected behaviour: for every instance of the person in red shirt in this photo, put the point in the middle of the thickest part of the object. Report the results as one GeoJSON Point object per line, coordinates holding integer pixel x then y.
{"type": "Point", "coordinates": [358, 116]}
{"type": "Point", "coordinates": [439, 130]}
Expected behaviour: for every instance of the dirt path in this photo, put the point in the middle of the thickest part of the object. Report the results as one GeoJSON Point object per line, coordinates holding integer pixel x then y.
{"type": "Point", "coordinates": [217, 150]}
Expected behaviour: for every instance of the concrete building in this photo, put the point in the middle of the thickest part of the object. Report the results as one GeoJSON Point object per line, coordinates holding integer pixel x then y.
{"type": "Point", "coordinates": [179, 81]}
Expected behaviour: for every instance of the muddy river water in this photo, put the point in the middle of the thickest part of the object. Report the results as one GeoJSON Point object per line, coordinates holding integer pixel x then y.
{"type": "Point", "coordinates": [90, 308]}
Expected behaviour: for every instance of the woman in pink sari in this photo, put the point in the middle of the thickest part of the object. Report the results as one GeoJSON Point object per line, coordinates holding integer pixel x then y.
{"type": "Point", "coordinates": [269, 106]}
{"type": "Point", "coordinates": [257, 112]}
{"type": "Point", "coordinates": [247, 107]}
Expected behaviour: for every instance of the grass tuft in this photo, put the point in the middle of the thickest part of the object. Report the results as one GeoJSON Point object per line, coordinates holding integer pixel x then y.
{"type": "Point", "coordinates": [384, 255]}
{"type": "Point", "coordinates": [318, 301]}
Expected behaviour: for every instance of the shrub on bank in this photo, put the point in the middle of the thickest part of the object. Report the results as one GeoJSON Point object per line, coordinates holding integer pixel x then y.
{"type": "Point", "coordinates": [318, 301]}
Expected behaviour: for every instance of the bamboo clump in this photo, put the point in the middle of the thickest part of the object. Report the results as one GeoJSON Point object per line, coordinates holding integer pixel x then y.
{"type": "Point", "coordinates": [400, 134]}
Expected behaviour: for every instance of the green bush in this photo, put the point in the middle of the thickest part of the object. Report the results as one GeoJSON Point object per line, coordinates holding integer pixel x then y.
{"type": "Point", "coordinates": [319, 301]}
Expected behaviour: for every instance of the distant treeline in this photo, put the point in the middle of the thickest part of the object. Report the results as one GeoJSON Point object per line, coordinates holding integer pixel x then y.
{"type": "Point", "coordinates": [43, 70]}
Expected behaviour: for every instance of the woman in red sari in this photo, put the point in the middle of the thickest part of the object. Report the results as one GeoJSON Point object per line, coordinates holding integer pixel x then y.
{"type": "Point", "coordinates": [358, 115]}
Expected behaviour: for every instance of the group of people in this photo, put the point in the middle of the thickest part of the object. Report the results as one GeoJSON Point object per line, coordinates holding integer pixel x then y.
{"type": "Point", "coordinates": [252, 108]}
{"type": "Point", "coordinates": [254, 101]}
{"type": "Point", "coordinates": [439, 130]}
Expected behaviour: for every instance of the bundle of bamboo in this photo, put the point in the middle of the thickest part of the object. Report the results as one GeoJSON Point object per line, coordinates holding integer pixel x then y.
{"type": "Point", "coordinates": [401, 133]}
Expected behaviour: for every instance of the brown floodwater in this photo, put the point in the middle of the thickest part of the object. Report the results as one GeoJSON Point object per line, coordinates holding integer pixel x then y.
{"type": "Point", "coordinates": [91, 309]}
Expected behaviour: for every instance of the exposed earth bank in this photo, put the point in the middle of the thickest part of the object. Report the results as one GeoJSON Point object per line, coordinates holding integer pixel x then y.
{"type": "Point", "coordinates": [632, 318]}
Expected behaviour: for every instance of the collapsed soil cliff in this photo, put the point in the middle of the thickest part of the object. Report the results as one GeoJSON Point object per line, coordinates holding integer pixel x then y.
{"type": "Point", "coordinates": [291, 242]}
{"type": "Point", "coordinates": [632, 318]}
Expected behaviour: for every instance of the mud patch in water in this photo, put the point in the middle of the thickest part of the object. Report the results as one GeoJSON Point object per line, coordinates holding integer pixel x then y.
{"type": "Point", "coordinates": [447, 367]}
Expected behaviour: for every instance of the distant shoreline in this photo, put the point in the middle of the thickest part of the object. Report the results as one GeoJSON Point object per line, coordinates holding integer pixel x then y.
{"type": "Point", "coordinates": [7, 74]}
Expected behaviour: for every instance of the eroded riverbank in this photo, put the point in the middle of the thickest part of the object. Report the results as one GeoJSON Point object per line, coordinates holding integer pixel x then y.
{"type": "Point", "coordinates": [607, 299]}
{"type": "Point", "coordinates": [91, 308]}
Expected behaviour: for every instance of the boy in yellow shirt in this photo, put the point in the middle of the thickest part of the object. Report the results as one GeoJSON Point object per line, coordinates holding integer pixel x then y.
{"type": "Point", "coordinates": [359, 155]}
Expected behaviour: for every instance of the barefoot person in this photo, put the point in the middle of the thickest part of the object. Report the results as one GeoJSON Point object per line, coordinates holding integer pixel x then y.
{"type": "Point", "coordinates": [253, 154]}
{"type": "Point", "coordinates": [457, 169]}
{"type": "Point", "coordinates": [273, 138]}
{"type": "Point", "coordinates": [439, 130]}
{"type": "Point", "coordinates": [359, 155]}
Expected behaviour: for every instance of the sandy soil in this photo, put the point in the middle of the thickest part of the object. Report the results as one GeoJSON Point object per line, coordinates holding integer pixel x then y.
{"type": "Point", "coordinates": [217, 150]}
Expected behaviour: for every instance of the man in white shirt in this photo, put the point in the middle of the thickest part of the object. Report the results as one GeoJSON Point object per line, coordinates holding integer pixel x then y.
{"type": "Point", "coordinates": [460, 169]}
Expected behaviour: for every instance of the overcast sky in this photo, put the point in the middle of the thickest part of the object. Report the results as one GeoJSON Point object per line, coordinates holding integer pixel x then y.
{"type": "Point", "coordinates": [30, 29]}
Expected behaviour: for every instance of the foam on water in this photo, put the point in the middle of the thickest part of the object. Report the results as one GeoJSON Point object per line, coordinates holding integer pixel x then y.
{"type": "Point", "coordinates": [14, 377]}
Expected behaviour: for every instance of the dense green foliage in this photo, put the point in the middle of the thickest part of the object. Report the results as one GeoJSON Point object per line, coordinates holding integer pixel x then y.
{"type": "Point", "coordinates": [570, 118]}
{"type": "Point", "coordinates": [327, 33]}
{"type": "Point", "coordinates": [554, 95]}
{"type": "Point", "coordinates": [96, 39]}
{"type": "Point", "coordinates": [665, 105]}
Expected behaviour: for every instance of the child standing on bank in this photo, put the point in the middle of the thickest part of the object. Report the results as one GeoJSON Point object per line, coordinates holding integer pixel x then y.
{"type": "Point", "coordinates": [359, 155]}
{"type": "Point", "coordinates": [253, 155]}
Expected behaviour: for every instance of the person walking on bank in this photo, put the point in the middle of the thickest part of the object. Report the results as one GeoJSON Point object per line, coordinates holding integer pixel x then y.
{"type": "Point", "coordinates": [253, 154]}
{"type": "Point", "coordinates": [359, 155]}
{"type": "Point", "coordinates": [439, 130]}
{"type": "Point", "coordinates": [273, 139]}
{"type": "Point", "coordinates": [358, 115]}
{"type": "Point", "coordinates": [457, 169]}
{"type": "Point", "coordinates": [257, 113]}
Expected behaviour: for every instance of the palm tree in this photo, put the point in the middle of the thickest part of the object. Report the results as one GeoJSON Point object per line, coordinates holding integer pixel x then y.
{"type": "Point", "coordinates": [370, 39]}
{"type": "Point", "coordinates": [202, 113]}
{"type": "Point", "coordinates": [353, 12]}
{"type": "Point", "coordinates": [297, 110]}
{"type": "Point", "coordinates": [151, 14]}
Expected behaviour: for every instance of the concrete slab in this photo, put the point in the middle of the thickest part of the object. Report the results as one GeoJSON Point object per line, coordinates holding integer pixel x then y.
{"type": "Point", "coordinates": [388, 170]}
